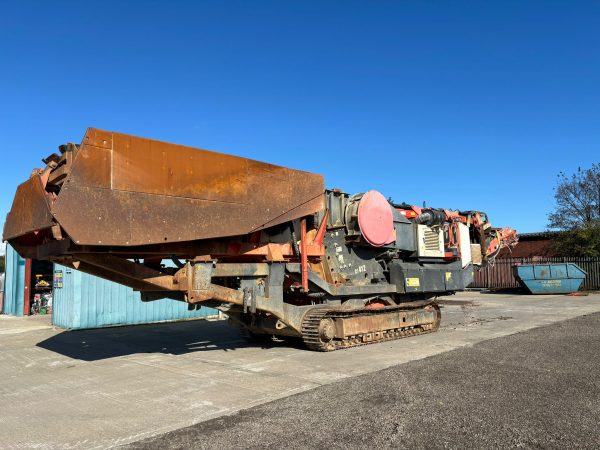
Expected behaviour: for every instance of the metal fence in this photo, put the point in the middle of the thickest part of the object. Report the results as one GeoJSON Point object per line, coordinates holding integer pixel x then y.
{"type": "Point", "coordinates": [500, 275]}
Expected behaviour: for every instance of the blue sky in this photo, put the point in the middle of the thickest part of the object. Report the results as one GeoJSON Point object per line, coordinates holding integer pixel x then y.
{"type": "Point", "coordinates": [468, 105]}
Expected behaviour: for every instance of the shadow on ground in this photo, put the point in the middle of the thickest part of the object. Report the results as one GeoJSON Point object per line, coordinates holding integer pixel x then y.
{"type": "Point", "coordinates": [171, 338]}
{"type": "Point", "coordinates": [508, 291]}
{"type": "Point", "coordinates": [456, 302]}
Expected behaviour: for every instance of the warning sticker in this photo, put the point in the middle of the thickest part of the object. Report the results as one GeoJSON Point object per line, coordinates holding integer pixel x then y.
{"type": "Point", "coordinates": [413, 282]}
{"type": "Point", "coordinates": [58, 279]}
{"type": "Point", "coordinates": [448, 276]}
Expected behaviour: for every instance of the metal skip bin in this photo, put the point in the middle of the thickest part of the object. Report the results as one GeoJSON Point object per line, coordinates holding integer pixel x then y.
{"type": "Point", "coordinates": [560, 278]}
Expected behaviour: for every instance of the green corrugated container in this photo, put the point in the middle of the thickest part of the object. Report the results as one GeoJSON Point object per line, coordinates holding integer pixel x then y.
{"type": "Point", "coordinates": [14, 280]}
{"type": "Point", "coordinates": [85, 301]}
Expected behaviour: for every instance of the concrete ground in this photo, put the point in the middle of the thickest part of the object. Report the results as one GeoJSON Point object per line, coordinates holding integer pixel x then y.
{"type": "Point", "coordinates": [102, 388]}
{"type": "Point", "coordinates": [534, 389]}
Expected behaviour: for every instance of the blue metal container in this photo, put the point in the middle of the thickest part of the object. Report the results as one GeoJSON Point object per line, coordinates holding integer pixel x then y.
{"type": "Point", "coordinates": [559, 278]}
{"type": "Point", "coordinates": [14, 283]}
{"type": "Point", "coordinates": [85, 301]}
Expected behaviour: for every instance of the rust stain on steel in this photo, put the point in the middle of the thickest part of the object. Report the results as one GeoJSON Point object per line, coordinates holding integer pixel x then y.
{"type": "Point", "coordinates": [91, 167]}
{"type": "Point", "coordinates": [303, 255]}
{"type": "Point", "coordinates": [121, 267]}
{"type": "Point", "coordinates": [153, 167]}
{"type": "Point", "coordinates": [352, 326]}
{"type": "Point", "coordinates": [216, 292]}
{"type": "Point", "coordinates": [125, 190]}
{"type": "Point", "coordinates": [30, 210]}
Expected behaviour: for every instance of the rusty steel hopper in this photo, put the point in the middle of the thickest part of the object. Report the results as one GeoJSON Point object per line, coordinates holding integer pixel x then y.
{"type": "Point", "coordinates": [120, 190]}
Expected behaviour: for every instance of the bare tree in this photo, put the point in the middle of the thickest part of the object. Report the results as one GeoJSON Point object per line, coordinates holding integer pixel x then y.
{"type": "Point", "coordinates": [577, 200]}
{"type": "Point", "coordinates": [577, 213]}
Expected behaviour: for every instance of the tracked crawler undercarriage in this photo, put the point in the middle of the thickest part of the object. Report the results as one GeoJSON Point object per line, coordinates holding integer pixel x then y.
{"type": "Point", "coordinates": [267, 245]}
{"type": "Point", "coordinates": [326, 329]}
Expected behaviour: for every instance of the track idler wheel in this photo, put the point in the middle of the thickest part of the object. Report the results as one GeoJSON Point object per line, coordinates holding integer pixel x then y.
{"type": "Point", "coordinates": [318, 330]}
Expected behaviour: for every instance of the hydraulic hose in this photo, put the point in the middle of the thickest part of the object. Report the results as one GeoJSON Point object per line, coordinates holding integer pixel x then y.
{"type": "Point", "coordinates": [431, 217]}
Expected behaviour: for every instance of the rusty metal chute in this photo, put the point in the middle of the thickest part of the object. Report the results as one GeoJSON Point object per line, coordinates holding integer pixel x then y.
{"type": "Point", "coordinates": [30, 210]}
{"type": "Point", "coordinates": [122, 190]}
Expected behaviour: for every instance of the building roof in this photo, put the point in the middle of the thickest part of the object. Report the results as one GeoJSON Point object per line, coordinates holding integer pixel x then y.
{"type": "Point", "coordinates": [531, 245]}
{"type": "Point", "coordinates": [538, 235]}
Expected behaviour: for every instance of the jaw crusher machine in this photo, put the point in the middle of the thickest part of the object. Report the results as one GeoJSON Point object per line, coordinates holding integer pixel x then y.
{"type": "Point", "coordinates": [267, 245]}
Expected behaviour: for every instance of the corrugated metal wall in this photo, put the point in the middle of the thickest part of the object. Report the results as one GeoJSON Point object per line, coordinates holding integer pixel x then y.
{"type": "Point", "coordinates": [86, 301]}
{"type": "Point", "coordinates": [500, 275]}
{"type": "Point", "coordinates": [14, 283]}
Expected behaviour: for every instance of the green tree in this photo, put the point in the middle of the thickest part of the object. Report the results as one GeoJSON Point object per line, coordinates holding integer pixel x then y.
{"type": "Point", "coordinates": [2, 263]}
{"type": "Point", "coordinates": [577, 213]}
